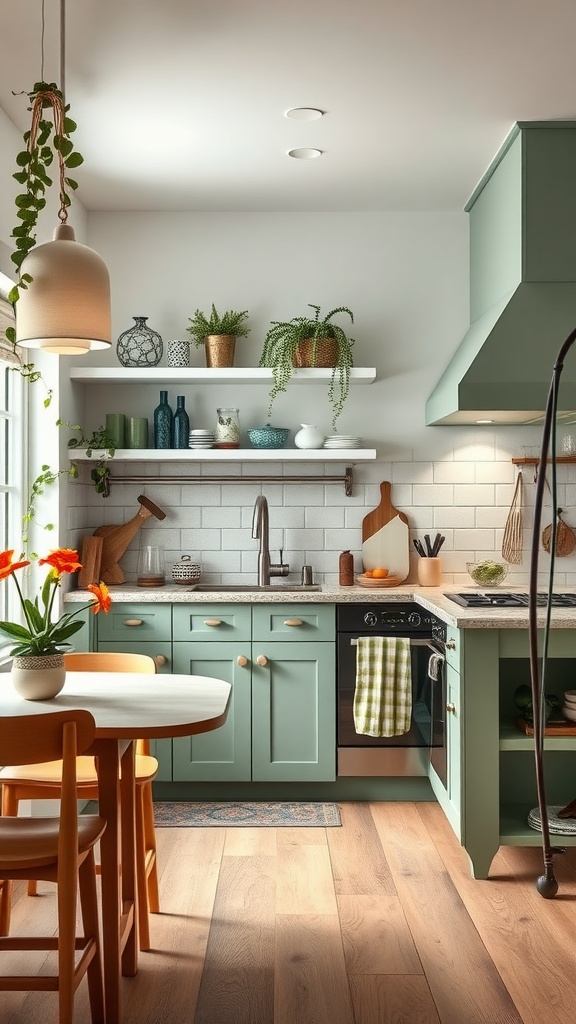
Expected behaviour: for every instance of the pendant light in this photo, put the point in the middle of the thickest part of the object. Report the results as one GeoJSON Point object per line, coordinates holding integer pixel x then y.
{"type": "Point", "coordinates": [65, 308]}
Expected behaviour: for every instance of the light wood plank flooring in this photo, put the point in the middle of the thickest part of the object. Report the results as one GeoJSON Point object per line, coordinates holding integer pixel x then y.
{"type": "Point", "coordinates": [377, 922]}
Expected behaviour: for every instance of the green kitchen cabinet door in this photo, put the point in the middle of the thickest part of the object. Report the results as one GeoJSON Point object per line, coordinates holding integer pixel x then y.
{"type": "Point", "coordinates": [161, 652]}
{"type": "Point", "coordinates": [293, 712]}
{"type": "Point", "coordinates": [454, 749]}
{"type": "Point", "coordinates": [224, 754]}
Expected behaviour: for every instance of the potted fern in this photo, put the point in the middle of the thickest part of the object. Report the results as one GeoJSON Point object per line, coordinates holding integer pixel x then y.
{"type": "Point", "coordinates": [218, 334]}
{"type": "Point", "coordinates": [310, 341]}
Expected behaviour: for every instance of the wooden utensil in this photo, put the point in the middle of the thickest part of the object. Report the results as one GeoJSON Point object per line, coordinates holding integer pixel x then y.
{"type": "Point", "coordinates": [91, 559]}
{"type": "Point", "coordinates": [117, 538]}
{"type": "Point", "coordinates": [385, 537]}
{"type": "Point", "coordinates": [512, 540]}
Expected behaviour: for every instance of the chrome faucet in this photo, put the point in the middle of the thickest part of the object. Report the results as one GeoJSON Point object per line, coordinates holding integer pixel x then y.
{"type": "Point", "coordinates": [260, 531]}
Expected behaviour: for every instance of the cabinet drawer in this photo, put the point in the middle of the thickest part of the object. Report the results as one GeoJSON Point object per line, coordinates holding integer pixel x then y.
{"type": "Point", "coordinates": [294, 622]}
{"type": "Point", "coordinates": [135, 622]}
{"type": "Point", "coordinates": [211, 622]}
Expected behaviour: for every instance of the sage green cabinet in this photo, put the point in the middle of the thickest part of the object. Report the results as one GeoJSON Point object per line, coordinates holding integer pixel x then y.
{"type": "Point", "coordinates": [449, 796]}
{"type": "Point", "coordinates": [281, 723]}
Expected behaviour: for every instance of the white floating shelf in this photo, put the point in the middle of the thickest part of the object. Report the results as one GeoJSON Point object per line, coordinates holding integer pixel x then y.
{"type": "Point", "coordinates": [228, 455]}
{"type": "Point", "coordinates": [205, 375]}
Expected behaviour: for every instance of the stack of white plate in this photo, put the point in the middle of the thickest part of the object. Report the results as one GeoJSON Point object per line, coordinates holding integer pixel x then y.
{"type": "Point", "coordinates": [558, 826]}
{"type": "Point", "coordinates": [201, 438]}
{"type": "Point", "coordinates": [343, 441]}
{"type": "Point", "coordinates": [569, 709]}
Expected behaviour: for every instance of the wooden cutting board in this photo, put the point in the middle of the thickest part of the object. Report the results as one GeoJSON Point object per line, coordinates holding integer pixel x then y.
{"type": "Point", "coordinates": [115, 539]}
{"type": "Point", "coordinates": [385, 539]}
{"type": "Point", "coordinates": [91, 559]}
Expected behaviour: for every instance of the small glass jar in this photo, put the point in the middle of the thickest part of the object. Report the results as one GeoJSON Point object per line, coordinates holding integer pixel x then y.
{"type": "Point", "coordinates": [227, 432]}
{"type": "Point", "coordinates": [569, 444]}
{"type": "Point", "coordinates": [150, 572]}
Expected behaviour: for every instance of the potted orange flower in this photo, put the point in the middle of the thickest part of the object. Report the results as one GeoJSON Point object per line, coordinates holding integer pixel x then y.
{"type": "Point", "coordinates": [39, 644]}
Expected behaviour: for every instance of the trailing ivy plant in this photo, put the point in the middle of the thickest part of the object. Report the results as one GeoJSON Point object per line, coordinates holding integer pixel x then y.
{"type": "Point", "coordinates": [285, 338]}
{"type": "Point", "coordinates": [45, 140]}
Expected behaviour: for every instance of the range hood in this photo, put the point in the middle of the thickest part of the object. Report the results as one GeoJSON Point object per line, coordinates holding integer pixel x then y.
{"type": "Point", "coordinates": [522, 284]}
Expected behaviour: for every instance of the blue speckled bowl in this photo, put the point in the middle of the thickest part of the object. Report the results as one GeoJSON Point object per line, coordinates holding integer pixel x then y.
{"type": "Point", "coordinates": [268, 436]}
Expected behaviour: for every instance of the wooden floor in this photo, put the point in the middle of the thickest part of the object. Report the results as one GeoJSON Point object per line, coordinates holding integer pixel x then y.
{"type": "Point", "coordinates": [377, 921]}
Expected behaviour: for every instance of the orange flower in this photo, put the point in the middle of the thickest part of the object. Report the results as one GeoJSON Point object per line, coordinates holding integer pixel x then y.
{"type": "Point", "coordinates": [103, 599]}
{"type": "Point", "coordinates": [62, 560]}
{"type": "Point", "coordinates": [7, 566]}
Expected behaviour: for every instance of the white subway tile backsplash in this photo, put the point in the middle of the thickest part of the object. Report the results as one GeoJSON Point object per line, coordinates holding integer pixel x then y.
{"type": "Point", "coordinates": [454, 472]}
{"type": "Point", "coordinates": [463, 491]}
{"type": "Point", "coordinates": [446, 516]}
{"type": "Point", "coordinates": [473, 494]}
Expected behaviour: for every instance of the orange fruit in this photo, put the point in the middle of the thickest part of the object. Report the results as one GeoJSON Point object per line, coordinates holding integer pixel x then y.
{"type": "Point", "coordinates": [379, 574]}
{"type": "Point", "coordinates": [368, 572]}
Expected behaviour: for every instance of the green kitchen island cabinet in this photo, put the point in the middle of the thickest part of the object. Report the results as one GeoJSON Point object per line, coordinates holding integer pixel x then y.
{"type": "Point", "coordinates": [280, 662]}
{"type": "Point", "coordinates": [491, 774]}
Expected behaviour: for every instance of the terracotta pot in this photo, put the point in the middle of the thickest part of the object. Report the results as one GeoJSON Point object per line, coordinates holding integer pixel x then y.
{"type": "Point", "coordinates": [326, 353]}
{"type": "Point", "coordinates": [38, 677]}
{"type": "Point", "coordinates": [219, 349]}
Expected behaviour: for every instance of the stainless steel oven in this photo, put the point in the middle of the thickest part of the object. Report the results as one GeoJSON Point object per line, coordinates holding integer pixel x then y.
{"type": "Point", "coordinates": [425, 742]}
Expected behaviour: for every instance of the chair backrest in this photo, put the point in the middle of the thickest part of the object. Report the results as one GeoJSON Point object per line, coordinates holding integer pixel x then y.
{"type": "Point", "coordinates": [32, 739]}
{"type": "Point", "coordinates": [108, 661]}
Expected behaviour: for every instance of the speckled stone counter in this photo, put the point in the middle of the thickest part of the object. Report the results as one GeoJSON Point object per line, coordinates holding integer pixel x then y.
{"type": "Point", "coordinates": [433, 599]}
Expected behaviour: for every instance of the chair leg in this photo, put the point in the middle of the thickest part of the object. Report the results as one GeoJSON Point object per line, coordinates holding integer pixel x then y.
{"type": "Point", "coordinates": [67, 901]}
{"type": "Point", "coordinates": [143, 920]}
{"type": "Point", "coordinates": [5, 906]}
{"type": "Point", "coordinates": [150, 846]}
{"type": "Point", "coordinates": [90, 922]}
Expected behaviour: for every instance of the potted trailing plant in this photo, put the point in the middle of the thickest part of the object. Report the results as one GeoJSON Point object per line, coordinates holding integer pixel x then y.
{"type": "Point", "coordinates": [218, 334]}
{"type": "Point", "coordinates": [310, 341]}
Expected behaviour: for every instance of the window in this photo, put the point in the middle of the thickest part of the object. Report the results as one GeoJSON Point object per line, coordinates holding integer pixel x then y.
{"type": "Point", "coordinates": [13, 447]}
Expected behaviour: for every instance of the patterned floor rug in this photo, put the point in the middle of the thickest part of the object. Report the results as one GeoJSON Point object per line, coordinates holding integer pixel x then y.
{"type": "Point", "coordinates": [176, 814]}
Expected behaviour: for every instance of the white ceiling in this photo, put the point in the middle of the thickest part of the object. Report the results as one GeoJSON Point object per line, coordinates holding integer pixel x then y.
{"type": "Point", "coordinates": [181, 104]}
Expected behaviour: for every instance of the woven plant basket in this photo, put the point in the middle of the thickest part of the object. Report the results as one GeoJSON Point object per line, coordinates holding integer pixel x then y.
{"type": "Point", "coordinates": [316, 352]}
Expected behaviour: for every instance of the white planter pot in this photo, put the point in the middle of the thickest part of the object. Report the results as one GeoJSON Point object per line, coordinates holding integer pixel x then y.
{"type": "Point", "coordinates": [38, 677]}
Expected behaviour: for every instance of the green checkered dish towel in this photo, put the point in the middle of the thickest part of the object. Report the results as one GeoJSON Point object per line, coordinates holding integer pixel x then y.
{"type": "Point", "coordinates": [383, 695]}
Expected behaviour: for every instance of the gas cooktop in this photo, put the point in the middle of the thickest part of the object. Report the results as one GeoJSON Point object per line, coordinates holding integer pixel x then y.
{"type": "Point", "coordinates": [496, 599]}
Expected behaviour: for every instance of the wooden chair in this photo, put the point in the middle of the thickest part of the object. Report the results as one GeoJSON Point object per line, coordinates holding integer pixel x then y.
{"type": "Point", "coordinates": [42, 782]}
{"type": "Point", "coordinates": [58, 850]}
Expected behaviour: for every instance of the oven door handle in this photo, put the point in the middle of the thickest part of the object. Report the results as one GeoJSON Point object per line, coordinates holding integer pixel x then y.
{"type": "Point", "coordinates": [413, 643]}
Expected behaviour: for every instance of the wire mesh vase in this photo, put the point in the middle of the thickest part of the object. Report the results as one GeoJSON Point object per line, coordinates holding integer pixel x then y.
{"type": "Point", "coordinates": [139, 345]}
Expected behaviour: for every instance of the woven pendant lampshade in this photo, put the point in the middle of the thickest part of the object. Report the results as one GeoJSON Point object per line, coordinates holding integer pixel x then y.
{"type": "Point", "coordinates": [66, 307]}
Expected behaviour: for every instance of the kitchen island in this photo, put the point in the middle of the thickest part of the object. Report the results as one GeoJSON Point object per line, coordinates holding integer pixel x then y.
{"type": "Point", "coordinates": [490, 786]}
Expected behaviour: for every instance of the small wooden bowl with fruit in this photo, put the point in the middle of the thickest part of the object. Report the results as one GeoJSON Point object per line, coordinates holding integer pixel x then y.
{"type": "Point", "coordinates": [378, 577]}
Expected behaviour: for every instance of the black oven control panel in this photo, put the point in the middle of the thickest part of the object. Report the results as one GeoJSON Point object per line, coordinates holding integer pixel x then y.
{"type": "Point", "coordinates": [403, 619]}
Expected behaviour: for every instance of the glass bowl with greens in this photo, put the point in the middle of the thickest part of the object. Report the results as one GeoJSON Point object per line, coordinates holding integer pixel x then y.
{"type": "Point", "coordinates": [487, 573]}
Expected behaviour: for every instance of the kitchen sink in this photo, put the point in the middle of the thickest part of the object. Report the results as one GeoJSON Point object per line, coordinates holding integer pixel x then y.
{"type": "Point", "coordinates": [272, 588]}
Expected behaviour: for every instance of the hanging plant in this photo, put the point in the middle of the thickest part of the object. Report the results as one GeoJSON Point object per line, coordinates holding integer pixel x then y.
{"type": "Point", "coordinates": [310, 341]}
{"type": "Point", "coordinates": [45, 140]}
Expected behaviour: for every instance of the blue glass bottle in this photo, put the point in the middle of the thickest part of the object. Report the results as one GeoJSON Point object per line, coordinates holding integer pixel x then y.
{"type": "Point", "coordinates": [163, 423]}
{"type": "Point", "coordinates": [181, 425]}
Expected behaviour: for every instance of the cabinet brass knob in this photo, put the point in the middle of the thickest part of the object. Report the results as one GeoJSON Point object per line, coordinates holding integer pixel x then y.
{"type": "Point", "coordinates": [451, 645]}
{"type": "Point", "coordinates": [293, 622]}
{"type": "Point", "coordinates": [262, 660]}
{"type": "Point", "coordinates": [161, 659]}
{"type": "Point", "coordinates": [133, 622]}
{"type": "Point", "coordinates": [212, 622]}
{"type": "Point", "coordinates": [242, 660]}
{"type": "Point", "coordinates": [451, 708]}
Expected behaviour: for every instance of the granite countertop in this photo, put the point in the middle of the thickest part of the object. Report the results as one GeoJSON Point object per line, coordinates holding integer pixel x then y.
{"type": "Point", "coordinates": [434, 599]}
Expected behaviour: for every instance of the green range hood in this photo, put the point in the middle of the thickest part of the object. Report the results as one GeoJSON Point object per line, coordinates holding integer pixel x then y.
{"type": "Point", "coordinates": [522, 284]}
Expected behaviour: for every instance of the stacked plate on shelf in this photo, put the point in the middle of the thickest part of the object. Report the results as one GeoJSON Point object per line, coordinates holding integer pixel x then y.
{"type": "Point", "coordinates": [343, 441]}
{"type": "Point", "coordinates": [557, 826]}
{"type": "Point", "coordinates": [201, 438]}
{"type": "Point", "coordinates": [569, 709]}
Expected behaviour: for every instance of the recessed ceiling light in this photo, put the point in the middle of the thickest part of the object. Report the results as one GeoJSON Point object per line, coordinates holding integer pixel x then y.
{"type": "Point", "coordinates": [304, 154]}
{"type": "Point", "coordinates": [484, 421]}
{"type": "Point", "coordinates": [304, 113]}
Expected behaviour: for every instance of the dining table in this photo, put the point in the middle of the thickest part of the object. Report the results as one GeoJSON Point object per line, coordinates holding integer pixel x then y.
{"type": "Point", "coordinates": [126, 706]}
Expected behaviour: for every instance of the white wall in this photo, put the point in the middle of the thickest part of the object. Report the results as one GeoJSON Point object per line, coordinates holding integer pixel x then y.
{"type": "Point", "coordinates": [405, 276]}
